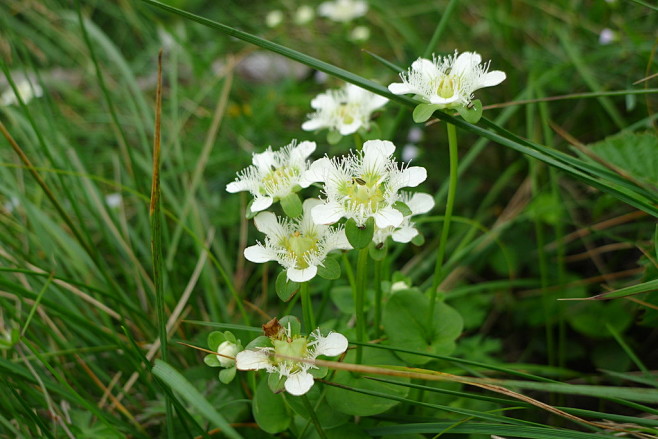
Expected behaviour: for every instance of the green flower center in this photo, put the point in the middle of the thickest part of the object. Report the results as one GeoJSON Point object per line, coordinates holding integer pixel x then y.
{"type": "Point", "coordinates": [295, 347]}
{"type": "Point", "coordinates": [447, 86]}
{"type": "Point", "coordinates": [278, 176]}
{"type": "Point", "coordinates": [365, 192]}
{"type": "Point", "coordinates": [298, 245]}
{"type": "Point", "coordinates": [346, 113]}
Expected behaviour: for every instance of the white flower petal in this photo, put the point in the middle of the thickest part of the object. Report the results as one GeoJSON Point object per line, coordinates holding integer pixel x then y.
{"type": "Point", "coordinates": [404, 234]}
{"type": "Point", "coordinates": [438, 100]}
{"type": "Point", "coordinates": [491, 78]}
{"type": "Point", "coordinates": [252, 360]}
{"type": "Point", "coordinates": [388, 217]}
{"type": "Point", "coordinates": [402, 88]}
{"type": "Point", "coordinates": [264, 160]}
{"type": "Point", "coordinates": [302, 151]}
{"type": "Point", "coordinates": [327, 213]}
{"type": "Point", "coordinates": [413, 176]}
{"type": "Point", "coordinates": [426, 68]}
{"type": "Point", "coordinates": [331, 345]}
{"type": "Point", "coordinates": [351, 128]}
{"type": "Point", "coordinates": [420, 203]}
{"type": "Point", "coordinates": [259, 254]}
{"type": "Point", "coordinates": [261, 203]}
{"type": "Point", "coordinates": [465, 63]}
{"type": "Point", "coordinates": [318, 171]}
{"type": "Point", "coordinates": [238, 186]}
{"type": "Point", "coordinates": [299, 383]}
{"type": "Point", "coordinates": [313, 124]}
{"type": "Point", "coordinates": [302, 275]}
{"type": "Point", "coordinates": [267, 223]}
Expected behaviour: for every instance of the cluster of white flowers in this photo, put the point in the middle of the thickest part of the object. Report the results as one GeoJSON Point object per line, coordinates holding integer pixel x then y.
{"type": "Point", "coordinates": [282, 357]}
{"type": "Point", "coordinates": [447, 81]}
{"type": "Point", "coordinates": [345, 110]}
{"type": "Point", "coordinates": [341, 11]}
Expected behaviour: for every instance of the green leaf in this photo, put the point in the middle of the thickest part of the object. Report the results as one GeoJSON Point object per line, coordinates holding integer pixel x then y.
{"type": "Point", "coordinates": [249, 214]}
{"type": "Point", "coordinates": [292, 205]}
{"type": "Point", "coordinates": [187, 391]}
{"type": "Point", "coordinates": [378, 251]}
{"type": "Point", "coordinates": [293, 322]}
{"type": "Point", "coordinates": [333, 137]}
{"type": "Point", "coordinates": [327, 417]}
{"type": "Point", "coordinates": [270, 410]}
{"type": "Point", "coordinates": [215, 338]}
{"type": "Point", "coordinates": [592, 319]}
{"type": "Point", "coordinates": [211, 360]}
{"type": "Point", "coordinates": [359, 404]}
{"type": "Point", "coordinates": [406, 323]}
{"type": "Point", "coordinates": [261, 341]}
{"type": "Point", "coordinates": [644, 287]}
{"type": "Point", "coordinates": [635, 154]}
{"type": "Point", "coordinates": [285, 288]}
{"type": "Point", "coordinates": [418, 240]}
{"type": "Point", "coordinates": [330, 269]}
{"type": "Point", "coordinates": [276, 382]}
{"type": "Point", "coordinates": [402, 208]}
{"type": "Point", "coordinates": [423, 112]}
{"type": "Point", "coordinates": [360, 237]}
{"type": "Point", "coordinates": [471, 114]}
{"type": "Point", "coordinates": [227, 375]}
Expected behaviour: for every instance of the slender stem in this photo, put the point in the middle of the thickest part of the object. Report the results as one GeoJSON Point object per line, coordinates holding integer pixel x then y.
{"type": "Point", "coordinates": [378, 297]}
{"type": "Point", "coordinates": [452, 189]}
{"type": "Point", "coordinates": [314, 417]}
{"type": "Point", "coordinates": [361, 268]}
{"type": "Point", "coordinates": [307, 307]}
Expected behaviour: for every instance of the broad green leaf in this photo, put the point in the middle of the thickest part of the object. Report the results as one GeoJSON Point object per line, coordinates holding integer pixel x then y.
{"type": "Point", "coordinates": [358, 404]}
{"type": "Point", "coordinates": [360, 237]}
{"type": "Point", "coordinates": [471, 114]}
{"type": "Point", "coordinates": [187, 391]}
{"type": "Point", "coordinates": [407, 324]}
{"type": "Point", "coordinates": [291, 205]}
{"type": "Point", "coordinates": [592, 318]}
{"type": "Point", "coordinates": [328, 417]}
{"type": "Point", "coordinates": [633, 153]}
{"type": "Point", "coordinates": [423, 112]}
{"type": "Point", "coordinates": [330, 269]}
{"type": "Point", "coordinates": [270, 410]}
{"type": "Point", "coordinates": [284, 287]}
{"type": "Point", "coordinates": [377, 252]}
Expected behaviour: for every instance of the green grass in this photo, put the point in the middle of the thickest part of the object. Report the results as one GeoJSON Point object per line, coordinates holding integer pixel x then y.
{"type": "Point", "coordinates": [545, 209]}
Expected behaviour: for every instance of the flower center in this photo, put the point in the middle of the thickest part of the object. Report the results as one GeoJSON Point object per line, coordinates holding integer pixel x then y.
{"type": "Point", "coordinates": [345, 112]}
{"type": "Point", "coordinates": [295, 347]}
{"type": "Point", "coordinates": [365, 192]}
{"type": "Point", "coordinates": [278, 176]}
{"type": "Point", "coordinates": [299, 245]}
{"type": "Point", "coordinates": [447, 86]}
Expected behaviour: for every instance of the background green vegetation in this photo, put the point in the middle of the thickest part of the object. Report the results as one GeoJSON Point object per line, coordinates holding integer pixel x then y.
{"type": "Point", "coordinates": [76, 275]}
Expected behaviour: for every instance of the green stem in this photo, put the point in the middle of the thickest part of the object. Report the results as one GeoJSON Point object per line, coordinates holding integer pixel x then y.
{"type": "Point", "coordinates": [361, 268]}
{"type": "Point", "coordinates": [378, 297]}
{"type": "Point", "coordinates": [307, 307]}
{"type": "Point", "coordinates": [314, 417]}
{"type": "Point", "coordinates": [452, 189]}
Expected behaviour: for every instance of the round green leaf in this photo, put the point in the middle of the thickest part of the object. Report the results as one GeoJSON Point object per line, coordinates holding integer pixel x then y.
{"type": "Point", "coordinates": [423, 112]}
{"type": "Point", "coordinates": [284, 287]}
{"type": "Point", "coordinates": [360, 237]}
{"type": "Point", "coordinates": [330, 269]}
{"type": "Point", "coordinates": [291, 322]}
{"type": "Point", "coordinates": [292, 205]}
{"type": "Point", "coordinates": [270, 410]}
{"type": "Point", "coordinates": [377, 251]}
{"type": "Point", "coordinates": [227, 375]}
{"type": "Point", "coordinates": [333, 137]}
{"type": "Point", "coordinates": [472, 113]}
{"type": "Point", "coordinates": [360, 404]}
{"type": "Point", "coordinates": [407, 325]}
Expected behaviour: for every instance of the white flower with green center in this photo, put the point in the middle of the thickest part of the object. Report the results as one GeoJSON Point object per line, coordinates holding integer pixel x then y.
{"type": "Point", "coordinates": [363, 185]}
{"type": "Point", "coordinates": [281, 358]}
{"type": "Point", "coordinates": [274, 174]}
{"type": "Point", "coordinates": [417, 203]}
{"type": "Point", "coordinates": [343, 11]}
{"type": "Point", "coordinates": [299, 245]}
{"type": "Point", "coordinates": [345, 110]}
{"type": "Point", "coordinates": [447, 81]}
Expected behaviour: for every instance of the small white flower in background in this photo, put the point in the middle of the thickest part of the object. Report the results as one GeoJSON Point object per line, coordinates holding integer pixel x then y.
{"type": "Point", "coordinates": [607, 36]}
{"type": "Point", "coordinates": [409, 152]}
{"type": "Point", "coordinates": [274, 174]}
{"type": "Point", "coordinates": [360, 34]}
{"type": "Point", "coordinates": [298, 379]}
{"type": "Point", "coordinates": [304, 14]}
{"type": "Point", "coordinates": [447, 81]}
{"type": "Point", "coordinates": [415, 135]}
{"type": "Point", "coordinates": [343, 11]}
{"type": "Point", "coordinates": [26, 90]}
{"type": "Point", "coordinates": [418, 203]}
{"type": "Point", "coordinates": [299, 245]}
{"type": "Point", "coordinates": [345, 110]}
{"type": "Point", "coordinates": [227, 349]}
{"type": "Point", "coordinates": [113, 200]}
{"type": "Point", "coordinates": [274, 18]}
{"type": "Point", "coordinates": [399, 286]}
{"type": "Point", "coordinates": [363, 185]}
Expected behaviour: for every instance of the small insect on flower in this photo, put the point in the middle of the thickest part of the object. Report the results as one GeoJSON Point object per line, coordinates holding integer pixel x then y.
{"type": "Point", "coordinates": [274, 174]}
{"type": "Point", "coordinates": [291, 355]}
{"type": "Point", "coordinates": [447, 81]}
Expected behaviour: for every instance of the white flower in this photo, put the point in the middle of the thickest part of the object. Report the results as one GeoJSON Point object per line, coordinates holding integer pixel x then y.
{"type": "Point", "coordinates": [418, 203]}
{"type": "Point", "coordinates": [607, 36]}
{"type": "Point", "coordinates": [227, 349]}
{"type": "Point", "coordinates": [274, 18]}
{"type": "Point", "coordinates": [344, 110]}
{"type": "Point", "coordinates": [277, 359]}
{"type": "Point", "coordinates": [113, 200]}
{"type": "Point", "coordinates": [299, 245]}
{"type": "Point", "coordinates": [274, 174]}
{"type": "Point", "coordinates": [447, 81]}
{"type": "Point", "coordinates": [363, 185]}
{"type": "Point", "coordinates": [304, 14]}
{"type": "Point", "coordinates": [26, 90]}
{"type": "Point", "coordinates": [360, 34]}
{"type": "Point", "coordinates": [343, 11]}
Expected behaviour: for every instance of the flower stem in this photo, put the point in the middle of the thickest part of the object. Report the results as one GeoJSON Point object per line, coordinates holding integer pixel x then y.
{"type": "Point", "coordinates": [361, 268]}
{"type": "Point", "coordinates": [314, 417]}
{"type": "Point", "coordinates": [307, 307]}
{"type": "Point", "coordinates": [452, 189]}
{"type": "Point", "coordinates": [378, 297]}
